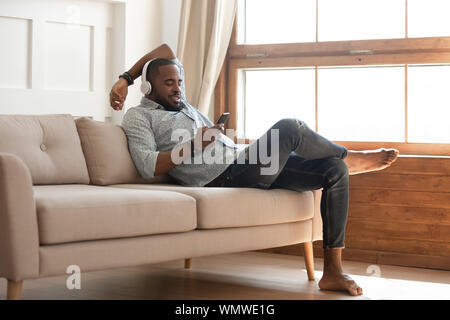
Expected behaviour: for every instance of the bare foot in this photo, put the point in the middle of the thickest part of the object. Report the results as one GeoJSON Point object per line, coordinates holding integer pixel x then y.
{"type": "Point", "coordinates": [339, 282]}
{"type": "Point", "coordinates": [370, 160]}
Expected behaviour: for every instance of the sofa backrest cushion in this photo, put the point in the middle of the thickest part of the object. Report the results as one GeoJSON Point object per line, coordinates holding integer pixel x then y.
{"type": "Point", "coordinates": [48, 144]}
{"type": "Point", "coordinates": [107, 156]}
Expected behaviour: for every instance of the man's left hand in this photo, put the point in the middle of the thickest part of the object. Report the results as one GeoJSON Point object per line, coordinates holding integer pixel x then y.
{"type": "Point", "coordinates": [118, 94]}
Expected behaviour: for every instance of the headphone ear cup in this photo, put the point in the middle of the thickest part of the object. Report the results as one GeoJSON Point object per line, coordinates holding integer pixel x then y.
{"type": "Point", "coordinates": [146, 87]}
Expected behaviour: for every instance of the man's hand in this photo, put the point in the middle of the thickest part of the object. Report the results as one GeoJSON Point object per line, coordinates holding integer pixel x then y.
{"type": "Point", "coordinates": [118, 94]}
{"type": "Point", "coordinates": [203, 135]}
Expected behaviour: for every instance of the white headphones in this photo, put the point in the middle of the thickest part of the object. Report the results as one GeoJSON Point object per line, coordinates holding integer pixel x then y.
{"type": "Point", "coordinates": [146, 87]}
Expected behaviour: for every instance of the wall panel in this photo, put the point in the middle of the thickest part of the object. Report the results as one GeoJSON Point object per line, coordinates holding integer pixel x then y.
{"type": "Point", "coordinates": [58, 56]}
{"type": "Point", "coordinates": [68, 56]}
{"type": "Point", "coordinates": [15, 65]}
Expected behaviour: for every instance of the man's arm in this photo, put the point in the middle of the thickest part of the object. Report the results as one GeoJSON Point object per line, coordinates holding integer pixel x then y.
{"type": "Point", "coordinates": [163, 51]}
{"type": "Point", "coordinates": [164, 162]}
{"type": "Point", "coordinates": [143, 148]}
{"type": "Point", "coordinates": [119, 90]}
{"type": "Point", "coordinates": [142, 144]}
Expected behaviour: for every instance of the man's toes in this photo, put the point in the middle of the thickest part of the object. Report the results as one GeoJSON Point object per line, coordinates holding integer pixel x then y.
{"type": "Point", "coordinates": [391, 157]}
{"type": "Point", "coordinates": [353, 291]}
{"type": "Point", "coordinates": [394, 154]}
{"type": "Point", "coordinates": [353, 288]}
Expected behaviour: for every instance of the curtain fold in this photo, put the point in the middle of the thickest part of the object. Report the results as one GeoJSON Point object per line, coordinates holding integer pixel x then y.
{"type": "Point", "coordinates": [204, 35]}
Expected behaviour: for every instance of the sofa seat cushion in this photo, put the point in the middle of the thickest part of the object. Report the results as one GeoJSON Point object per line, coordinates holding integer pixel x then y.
{"type": "Point", "coordinates": [241, 207]}
{"type": "Point", "coordinates": [68, 213]}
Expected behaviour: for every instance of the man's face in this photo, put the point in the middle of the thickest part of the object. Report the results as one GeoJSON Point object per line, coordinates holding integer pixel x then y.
{"type": "Point", "coordinates": [166, 87]}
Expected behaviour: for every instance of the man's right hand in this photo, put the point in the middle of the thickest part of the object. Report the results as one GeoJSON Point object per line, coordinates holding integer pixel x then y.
{"type": "Point", "coordinates": [118, 94]}
{"type": "Point", "coordinates": [205, 141]}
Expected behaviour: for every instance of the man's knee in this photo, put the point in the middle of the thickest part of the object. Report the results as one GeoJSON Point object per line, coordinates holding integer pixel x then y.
{"type": "Point", "coordinates": [337, 169]}
{"type": "Point", "coordinates": [289, 131]}
{"type": "Point", "coordinates": [289, 125]}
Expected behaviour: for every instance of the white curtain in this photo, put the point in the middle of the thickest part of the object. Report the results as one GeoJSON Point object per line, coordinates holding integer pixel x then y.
{"type": "Point", "coordinates": [204, 35]}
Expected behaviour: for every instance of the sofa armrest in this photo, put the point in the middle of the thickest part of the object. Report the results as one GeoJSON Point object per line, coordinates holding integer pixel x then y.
{"type": "Point", "coordinates": [19, 239]}
{"type": "Point", "coordinates": [317, 219]}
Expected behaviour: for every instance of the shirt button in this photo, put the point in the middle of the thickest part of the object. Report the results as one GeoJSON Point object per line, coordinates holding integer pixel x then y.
{"type": "Point", "coordinates": [43, 147]}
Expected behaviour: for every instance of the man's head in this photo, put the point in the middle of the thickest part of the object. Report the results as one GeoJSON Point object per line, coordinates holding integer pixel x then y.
{"type": "Point", "coordinates": [165, 78]}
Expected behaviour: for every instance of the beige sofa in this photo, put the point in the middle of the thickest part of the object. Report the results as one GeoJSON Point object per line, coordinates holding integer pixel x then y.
{"type": "Point", "coordinates": [70, 195]}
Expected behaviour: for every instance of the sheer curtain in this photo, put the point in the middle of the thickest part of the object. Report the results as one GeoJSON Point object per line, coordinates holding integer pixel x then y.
{"type": "Point", "coordinates": [205, 31]}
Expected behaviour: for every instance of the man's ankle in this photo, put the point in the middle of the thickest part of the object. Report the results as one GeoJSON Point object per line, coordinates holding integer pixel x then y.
{"type": "Point", "coordinates": [333, 260]}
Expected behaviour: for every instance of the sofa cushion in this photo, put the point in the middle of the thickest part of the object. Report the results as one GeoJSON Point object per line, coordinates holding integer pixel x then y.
{"type": "Point", "coordinates": [69, 213]}
{"type": "Point", "coordinates": [108, 160]}
{"type": "Point", "coordinates": [48, 144]}
{"type": "Point", "coordinates": [241, 207]}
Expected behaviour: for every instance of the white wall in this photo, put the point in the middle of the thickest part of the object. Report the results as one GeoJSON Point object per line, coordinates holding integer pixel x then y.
{"type": "Point", "coordinates": [64, 55]}
{"type": "Point", "coordinates": [170, 22]}
{"type": "Point", "coordinates": [148, 23]}
{"type": "Point", "coordinates": [143, 34]}
{"type": "Point", "coordinates": [169, 26]}
{"type": "Point", "coordinates": [116, 39]}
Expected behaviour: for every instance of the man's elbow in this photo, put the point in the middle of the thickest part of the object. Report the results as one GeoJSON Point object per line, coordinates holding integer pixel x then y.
{"type": "Point", "coordinates": [148, 175]}
{"type": "Point", "coordinates": [144, 171]}
{"type": "Point", "coordinates": [167, 51]}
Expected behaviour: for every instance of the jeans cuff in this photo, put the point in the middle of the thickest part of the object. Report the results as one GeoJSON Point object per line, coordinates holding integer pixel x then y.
{"type": "Point", "coordinates": [345, 153]}
{"type": "Point", "coordinates": [334, 247]}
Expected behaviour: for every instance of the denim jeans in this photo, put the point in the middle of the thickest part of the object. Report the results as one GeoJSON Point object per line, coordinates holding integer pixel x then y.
{"type": "Point", "coordinates": [307, 161]}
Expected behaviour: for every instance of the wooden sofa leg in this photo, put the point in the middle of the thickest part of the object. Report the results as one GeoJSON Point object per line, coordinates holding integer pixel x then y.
{"type": "Point", "coordinates": [14, 290]}
{"type": "Point", "coordinates": [309, 259]}
{"type": "Point", "coordinates": [187, 263]}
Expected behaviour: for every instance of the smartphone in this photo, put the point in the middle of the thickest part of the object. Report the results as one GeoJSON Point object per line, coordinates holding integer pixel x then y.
{"type": "Point", "coordinates": [223, 118]}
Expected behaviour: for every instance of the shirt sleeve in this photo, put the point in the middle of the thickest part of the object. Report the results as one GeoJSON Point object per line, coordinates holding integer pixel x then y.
{"type": "Point", "coordinates": [205, 119]}
{"type": "Point", "coordinates": [141, 143]}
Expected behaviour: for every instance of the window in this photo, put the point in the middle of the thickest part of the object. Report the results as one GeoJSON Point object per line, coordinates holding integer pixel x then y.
{"type": "Point", "coordinates": [287, 21]}
{"type": "Point", "coordinates": [358, 20]}
{"type": "Point", "coordinates": [428, 18]}
{"type": "Point", "coordinates": [354, 103]}
{"type": "Point", "coordinates": [288, 94]}
{"type": "Point", "coordinates": [359, 72]}
{"type": "Point", "coordinates": [429, 103]}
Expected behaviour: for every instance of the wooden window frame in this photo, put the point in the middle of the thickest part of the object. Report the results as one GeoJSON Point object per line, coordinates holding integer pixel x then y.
{"type": "Point", "coordinates": [405, 51]}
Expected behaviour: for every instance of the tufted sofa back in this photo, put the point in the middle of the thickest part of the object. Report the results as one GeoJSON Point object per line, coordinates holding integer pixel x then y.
{"type": "Point", "coordinates": [48, 144]}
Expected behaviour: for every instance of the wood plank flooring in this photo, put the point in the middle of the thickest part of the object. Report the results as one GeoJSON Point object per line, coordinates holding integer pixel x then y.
{"type": "Point", "coordinates": [249, 275]}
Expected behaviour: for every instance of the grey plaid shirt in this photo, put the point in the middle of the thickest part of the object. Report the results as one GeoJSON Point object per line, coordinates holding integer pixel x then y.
{"type": "Point", "coordinates": [149, 129]}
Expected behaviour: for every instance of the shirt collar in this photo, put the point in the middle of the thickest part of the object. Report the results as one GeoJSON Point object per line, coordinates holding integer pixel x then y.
{"type": "Point", "coordinates": [150, 103]}
{"type": "Point", "coordinates": [154, 105]}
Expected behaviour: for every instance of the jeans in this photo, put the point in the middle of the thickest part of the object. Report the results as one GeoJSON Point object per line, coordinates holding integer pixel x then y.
{"type": "Point", "coordinates": [307, 161]}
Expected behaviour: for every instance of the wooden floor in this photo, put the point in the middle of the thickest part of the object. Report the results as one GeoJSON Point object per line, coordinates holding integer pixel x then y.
{"type": "Point", "coordinates": [250, 275]}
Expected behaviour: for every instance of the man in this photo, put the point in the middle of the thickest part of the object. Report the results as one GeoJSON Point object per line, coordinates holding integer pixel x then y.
{"type": "Point", "coordinates": [306, 160]}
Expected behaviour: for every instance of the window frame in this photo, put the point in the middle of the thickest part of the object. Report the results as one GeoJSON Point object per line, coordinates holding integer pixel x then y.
{"type": "Point", "coordinates": [352, 53]}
